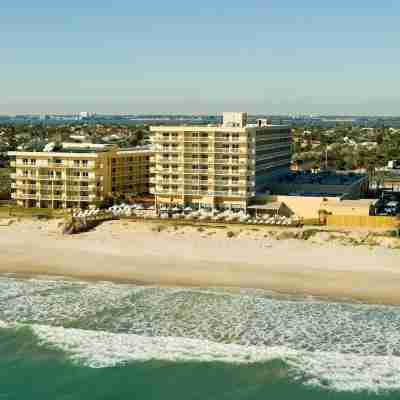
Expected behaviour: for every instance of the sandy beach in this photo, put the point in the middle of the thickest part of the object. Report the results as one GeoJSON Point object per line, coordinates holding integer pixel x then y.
{"type": "Point", "coordinates": [192, 256]}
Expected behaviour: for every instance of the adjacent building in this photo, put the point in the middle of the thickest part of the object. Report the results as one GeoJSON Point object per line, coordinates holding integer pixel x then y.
{"type": "Point", "coordinates": [76, 175]}
{"type": "Point", "coordinates": [217, 166]}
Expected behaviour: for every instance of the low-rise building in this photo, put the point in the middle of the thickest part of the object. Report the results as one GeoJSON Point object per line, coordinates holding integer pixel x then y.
{"type": "Point", "coordinates": [76, 175]}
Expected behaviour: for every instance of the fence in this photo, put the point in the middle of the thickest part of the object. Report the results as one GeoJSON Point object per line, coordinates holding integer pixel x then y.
{"type": "Point", "coordinates": [363, 221]}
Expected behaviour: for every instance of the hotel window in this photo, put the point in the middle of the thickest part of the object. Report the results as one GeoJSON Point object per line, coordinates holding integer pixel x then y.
{"type": "Point", "coordinates": [235, 169]}
{"type": "Point", "coordinates": [85, 163]}
{"type": "Point", "coordinates": [174, 167]}
{"type": "Point", "coordinates": [76, 163]}
{"type": "Point", "coordinates": [195, 134]}
{"type": "Point", "coordinates": [175, 177]}
{"type": "Point", "coordinates": [204, 188]}
{"type": "Point", "coordinates": [204, 135]}
{"type": "Point", "coordinates": [165, 166]}
{"type": "Point", "coordinates": [33, 161]}
{"type": "Point", "coordinates": [165, 187]}
{"type": "Point", "coordinates": [174, 187]}
{"type": "Point", "coordinates": [235, 159]}
{"type": "Point", "coordinates": [58, 161]}
{"type": "Point", "coordinates": [166, 135]}
{"type": "Point", "coordinates": [25, 161]}
{"type": "Point", "coordinates": [165, 156]}
{"type": "Point", "coordinates": [85, 174]}
{"type": "Point", "coordinates": [195, 167]}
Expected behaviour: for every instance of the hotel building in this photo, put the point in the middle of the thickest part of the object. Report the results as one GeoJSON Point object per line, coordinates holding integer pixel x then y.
{"type": "Point", "coordinates": [74, 175]}
{"type": "Point", "coordinates": [217, 166]}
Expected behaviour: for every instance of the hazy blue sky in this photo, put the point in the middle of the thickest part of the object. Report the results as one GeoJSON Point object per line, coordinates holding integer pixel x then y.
{"type": "Point", "coordinates": [268, 56]}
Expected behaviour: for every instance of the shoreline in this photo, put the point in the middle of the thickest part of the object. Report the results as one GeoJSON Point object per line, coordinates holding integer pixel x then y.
{"type": "Point", "coordinates": [137, 253]}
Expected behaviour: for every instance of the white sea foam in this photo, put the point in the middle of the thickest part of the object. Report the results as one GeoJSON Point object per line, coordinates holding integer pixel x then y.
{"type": "Point", "coordinates": [343, 346]}
{"type": "Point", "coordinates": [341, 372]}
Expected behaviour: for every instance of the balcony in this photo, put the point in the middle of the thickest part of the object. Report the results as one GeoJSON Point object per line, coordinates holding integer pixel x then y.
{"type": "Point", "coordinates": [26, 196]}
{"type": "Point", "coordinates": [24, 186]}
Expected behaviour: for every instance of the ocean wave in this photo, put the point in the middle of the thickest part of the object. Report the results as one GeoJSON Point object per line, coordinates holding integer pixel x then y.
{"type": "Point", "coordinates": [338, 346]}
{"type": "Point", "coordinates": [328, 370]}
{"type": "Point", "coordinates": [340, 372]}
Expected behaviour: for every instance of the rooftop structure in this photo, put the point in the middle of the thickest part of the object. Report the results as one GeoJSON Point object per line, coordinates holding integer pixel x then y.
{"type": "Point", "coordinates": [320, 184]}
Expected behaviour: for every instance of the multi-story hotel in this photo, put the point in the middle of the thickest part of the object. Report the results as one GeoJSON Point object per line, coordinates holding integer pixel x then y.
{"type": "Point", "coordinates": [217, 166]}
{"type": "Point", "coordinates": [75, 175]}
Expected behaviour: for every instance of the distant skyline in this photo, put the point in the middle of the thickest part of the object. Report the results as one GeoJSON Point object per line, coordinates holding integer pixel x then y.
{"type": "Point", "coordinates": [260, 56]}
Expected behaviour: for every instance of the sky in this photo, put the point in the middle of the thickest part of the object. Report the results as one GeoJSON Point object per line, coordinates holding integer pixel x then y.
{"type": "Point", "coordinates": [185, 56]}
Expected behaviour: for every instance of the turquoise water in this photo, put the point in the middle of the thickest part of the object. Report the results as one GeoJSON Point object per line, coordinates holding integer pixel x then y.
{"type": "Point", "coordinates": [74, 340]}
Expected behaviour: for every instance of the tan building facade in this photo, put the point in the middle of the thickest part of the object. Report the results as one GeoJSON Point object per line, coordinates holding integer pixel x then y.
{"type": "Point", "coordinates": [77, 175]}
{"type": "Point", "coordinates": [217, 166]}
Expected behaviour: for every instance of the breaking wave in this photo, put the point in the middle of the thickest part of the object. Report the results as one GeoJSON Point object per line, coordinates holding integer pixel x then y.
{"type": "Point", "coordinates": [343, 347]}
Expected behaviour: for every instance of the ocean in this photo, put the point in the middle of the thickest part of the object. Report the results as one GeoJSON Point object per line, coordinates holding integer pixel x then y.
{"type": "Point", "coordinates": [64, 339]}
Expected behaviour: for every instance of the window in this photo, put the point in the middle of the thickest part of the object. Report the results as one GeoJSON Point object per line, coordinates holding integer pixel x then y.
{"type": "Point", "coordinates": [33, 161]}
{"type": "Point", "coordinates": [58, 161]}
{"type": "Point", "coordinates": [25, 161]}
{"type": "Point", "coordinates": [165, 135]}
{"type": "Point", "coordinates": [85, 174]}
{"type": "Point", "coordinates": [85, 163]}
{"type": "Point", "coordinates": [76, 163]}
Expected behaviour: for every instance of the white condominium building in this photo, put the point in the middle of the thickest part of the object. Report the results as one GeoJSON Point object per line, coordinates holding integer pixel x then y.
{"type": "Point", "coordinates": [217, 166]}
